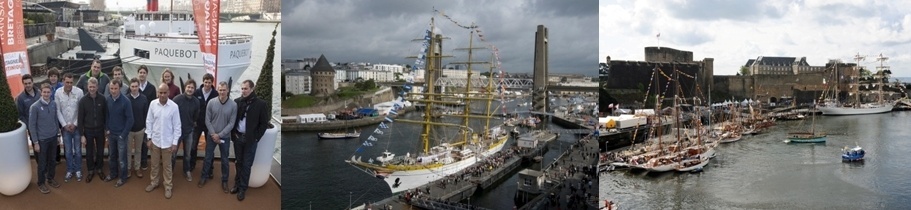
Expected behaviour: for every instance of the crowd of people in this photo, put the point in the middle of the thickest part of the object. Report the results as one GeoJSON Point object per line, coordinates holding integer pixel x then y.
{"type": "Point", "coordinates": [488, 164]}
{"type": "Point", "coordinates": [139, 120]}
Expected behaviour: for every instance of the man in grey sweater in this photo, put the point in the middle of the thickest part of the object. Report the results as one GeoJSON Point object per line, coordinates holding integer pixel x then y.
{"type": "Point", "coordinates": [220, 117]}
{"type": "Point", "coordinates": [44, 128]}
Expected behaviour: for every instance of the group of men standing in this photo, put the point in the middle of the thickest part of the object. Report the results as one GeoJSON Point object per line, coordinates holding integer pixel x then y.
{"type": "Point", "coordinates": [139, 121]}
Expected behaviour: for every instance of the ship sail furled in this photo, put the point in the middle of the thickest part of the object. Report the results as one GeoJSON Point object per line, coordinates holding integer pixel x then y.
{"type": "Point", "coordinates": [15, 58]}
{"type": "Point", "coordinates": [206, 13]}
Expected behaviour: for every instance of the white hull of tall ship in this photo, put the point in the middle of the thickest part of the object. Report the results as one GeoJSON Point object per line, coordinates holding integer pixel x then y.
{"type": "Point", "coordinates": [411, 179]}
{"type": "Point", "coordinates": [182, 55]}
{"type": "Point", "coordinates": [856, 111]}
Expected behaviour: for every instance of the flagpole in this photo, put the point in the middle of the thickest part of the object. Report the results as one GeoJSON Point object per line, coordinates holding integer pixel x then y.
{"type": "Point", "coordinates": [658, 37]}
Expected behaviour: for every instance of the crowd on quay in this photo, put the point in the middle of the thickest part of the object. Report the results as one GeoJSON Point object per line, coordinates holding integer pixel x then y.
{"type": "Point", "coordinates": [139, 120]}
{"type": "Point", "coordinates": [489, 164]}
{"type": "Point", "coordinates": [575, 192]}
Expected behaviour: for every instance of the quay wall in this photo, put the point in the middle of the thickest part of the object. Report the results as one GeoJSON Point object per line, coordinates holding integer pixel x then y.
{"type": "Point", "coordinates": [338, 124]}
{"type": "Point", "coordinates": [384, 95]}
{"type": "Point", "coordinates": [38, 54]}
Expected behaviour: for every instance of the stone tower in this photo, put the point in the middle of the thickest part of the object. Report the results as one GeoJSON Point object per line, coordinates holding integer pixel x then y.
{"type": "Point", "coordinates": [323, 78]}
{"type": "Point", "coordinates": [539, 92]}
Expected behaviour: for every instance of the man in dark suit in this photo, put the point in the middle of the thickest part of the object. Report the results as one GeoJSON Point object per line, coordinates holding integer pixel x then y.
{"type": "Point", "coordinates": [204, 93]}
{"type": "Point", "coordinates": [252, 120]}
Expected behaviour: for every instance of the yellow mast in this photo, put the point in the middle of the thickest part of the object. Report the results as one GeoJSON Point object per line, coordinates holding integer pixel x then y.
{"type": "Point", "coordinates": [429, 67]}
{"type": "Point", "coordinates": [467, 110]}
{"type": "Point", "coordinates": [490, 94]}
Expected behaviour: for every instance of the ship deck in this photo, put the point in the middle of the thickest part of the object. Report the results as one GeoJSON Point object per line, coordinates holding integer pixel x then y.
{"type": "Point", "coordinates": [132, 195]}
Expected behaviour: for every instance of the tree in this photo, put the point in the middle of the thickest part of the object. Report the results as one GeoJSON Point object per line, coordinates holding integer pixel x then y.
{"type": "Point", "coordinates": [369, 84]}
{"type": "Point", "coordinates": [284, 81]}
{"type": "Point", "coordinates": [8, 122]}
{"type": "Point", "coordinates": [744, 71]}
{"type": "Point", "coordinates": [264, 88]}
{"type": "Point", "coordinates": [398, 76]}
{"type": "Point", "coordinates": [864, 72]}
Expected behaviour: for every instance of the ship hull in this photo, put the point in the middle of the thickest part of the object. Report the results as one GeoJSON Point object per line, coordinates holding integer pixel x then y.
{"type": "Point", "coordinates": [415, 178]}
{"type": "Point", "coordinates": [854, 111]}
{"type": "Point", "coordinates": [410, 179]}
{"type": "Point", "coordinates": [183, 57]}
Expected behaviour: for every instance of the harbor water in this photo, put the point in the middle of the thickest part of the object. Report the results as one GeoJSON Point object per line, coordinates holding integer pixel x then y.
{"type": "Point", "coordinates": [764, 172]}
{"type": "Point", "coordinates": [322, 180]}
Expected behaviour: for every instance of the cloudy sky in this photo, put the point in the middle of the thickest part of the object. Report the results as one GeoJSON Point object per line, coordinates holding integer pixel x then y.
{"type": "Point", "coordinates": [381, 31]}
{"type": "Point", "coordinates": [734, 31]}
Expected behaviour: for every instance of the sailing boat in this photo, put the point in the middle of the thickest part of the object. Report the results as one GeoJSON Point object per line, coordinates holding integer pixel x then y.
{"type": "Point", "coordinates": [407, 172]}
{"type": "Point", "coordinates": [341, 134]}
{"type": "Point", "coordinates": [811, 136]}
{"type": "Point", "coordinates": [834, 107]}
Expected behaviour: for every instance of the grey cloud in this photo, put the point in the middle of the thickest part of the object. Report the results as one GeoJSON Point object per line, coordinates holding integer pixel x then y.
{"type": "Point", "coordinates": [381, 31]}
{"type": "Point", "coordinates": [722, 9]}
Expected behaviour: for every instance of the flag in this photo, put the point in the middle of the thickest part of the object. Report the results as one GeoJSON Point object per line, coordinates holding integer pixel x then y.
{"type": "Point", "coordinates": [377, 131]}
{"type": "Point", "coordinates": [371, 138]}
{"type": "Point", "coordinates": [359, 149]}
{"type": "Point", "coordinates": [207, 13]}
{"type": "Point", "coordinates": [388, 119]}
{"type": "Point", "coordinates": [658, 36]}
{"type": "Point", "coordinates": [383, 125]}
{"type": "Point", "coordinates": [393, 112]}
{"type": "Point", "coordinates": [366, 143]}
{"type": "Point", "coordinates": [14, 47]}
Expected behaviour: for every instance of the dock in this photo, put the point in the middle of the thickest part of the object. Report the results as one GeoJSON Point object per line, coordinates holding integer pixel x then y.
{"type": "Point", "coordinates": [570, 181]}
{"type": "Point", "coordinates": [564, 177]}
{"type": "Point", "coordinates": [340, 124]}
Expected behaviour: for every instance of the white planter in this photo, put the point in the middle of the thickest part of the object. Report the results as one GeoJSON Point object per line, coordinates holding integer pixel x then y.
{"type": "Point", "coordinates": [16, 173]}
{"type": "Point", "coordinates": [262, 163]}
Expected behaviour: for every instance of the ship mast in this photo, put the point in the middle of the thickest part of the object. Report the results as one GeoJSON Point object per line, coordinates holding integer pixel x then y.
{"type": "Point", "coordinates": [880, 74]}
{"type": "Point", "coordinates": [430, 96]}
{"type": "Point", "coordinates": [856, 86]}
{"type": "Point", "coordinates": [466, 113]}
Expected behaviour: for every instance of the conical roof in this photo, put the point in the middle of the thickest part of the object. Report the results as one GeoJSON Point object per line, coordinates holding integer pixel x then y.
{"type": "Point", "coordinates": [322, 65]}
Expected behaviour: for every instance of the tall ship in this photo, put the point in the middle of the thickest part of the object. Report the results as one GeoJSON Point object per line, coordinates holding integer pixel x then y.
{"type": "Point", "coordinates": [168, 39]}
{"type": "Point", "coordinates": [832, 106]}
{"type": "Point", "coordinates": [443, 152]}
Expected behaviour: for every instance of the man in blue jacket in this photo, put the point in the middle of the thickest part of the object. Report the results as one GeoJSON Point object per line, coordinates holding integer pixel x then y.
{"type": "Point", "coordinates": [119, 122]}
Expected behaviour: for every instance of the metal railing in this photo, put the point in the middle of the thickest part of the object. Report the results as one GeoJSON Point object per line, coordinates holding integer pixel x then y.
{"type": "Point", "coordinates": [222, 39]}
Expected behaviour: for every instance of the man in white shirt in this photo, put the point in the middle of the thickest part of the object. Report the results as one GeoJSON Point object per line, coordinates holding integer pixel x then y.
{"type": "Point", "coordinates": [67, 99]}
{"type": "Point", "coordinates": [163, 130]}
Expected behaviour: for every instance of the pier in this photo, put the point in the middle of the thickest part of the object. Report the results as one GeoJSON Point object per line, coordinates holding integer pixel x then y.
{"type": "Point", "coordinates": [567, 180]}
{"type": "Point", "coordinates": [340, 124]}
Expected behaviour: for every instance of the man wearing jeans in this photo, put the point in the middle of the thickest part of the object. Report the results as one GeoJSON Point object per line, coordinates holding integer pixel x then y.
{"type": "Point", "coordinates": [220, 116]}
{"type": "Point", "coordinates": [119, 122]}
{"type": "Point", "coordinates": [140, 105]}
{"type": "Point", "coordinates": [67, 99]}
{"type": "Point", "coordinates": [204, 94]}
{"type": "Point", "coordinates": [252, 120]}
{"type": "Point", "coordinates": [163, 130]}
{"type": "Point", "coordinates": [188, 106]}
{"type": "Point", "coordinates": [43, 124]}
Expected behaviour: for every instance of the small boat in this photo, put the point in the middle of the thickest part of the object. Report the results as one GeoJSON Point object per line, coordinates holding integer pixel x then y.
{"type": "Point", "coordinates": [852, 154]}
{"type": "Point", "coordinates": [806, 137]}
{"type": "Point", "coordinates": [339, 135]}
{"type": "Point", "coordinates": [811, 136]}
{"type": "Point", "coordinates": [693, 164]}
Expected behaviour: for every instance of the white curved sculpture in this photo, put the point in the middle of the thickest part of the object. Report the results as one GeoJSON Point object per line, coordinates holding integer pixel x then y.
{"type": "Point", "coordinates": [14, 160]}
{"type": "Point", "coordinates": [262, 163]}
